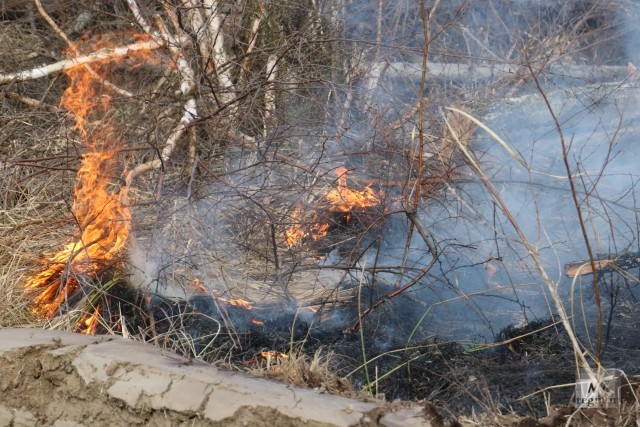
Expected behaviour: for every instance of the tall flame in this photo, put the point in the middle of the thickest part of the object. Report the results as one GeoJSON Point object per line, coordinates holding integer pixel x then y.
{"type": "Point", "coordinates": [103, 215]}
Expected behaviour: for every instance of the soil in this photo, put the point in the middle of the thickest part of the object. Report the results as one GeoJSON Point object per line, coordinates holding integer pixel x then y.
{"type": "Point", "coordinates": [62, 379]}
{"type": "Point", "coordinates": [59, 378]}
{"type": "Point", "coordinates": [533, 369]}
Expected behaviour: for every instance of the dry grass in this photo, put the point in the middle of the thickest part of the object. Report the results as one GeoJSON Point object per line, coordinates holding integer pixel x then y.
{"type": "Point", "coordinates": [233, 255]}
{"type": "Point", "coordinates": [302, 370]}
{"type": "Point", "coordinates": [34, 199]}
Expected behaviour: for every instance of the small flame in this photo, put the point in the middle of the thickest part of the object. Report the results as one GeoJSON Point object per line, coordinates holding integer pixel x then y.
{"type": "Point", "coordinates": [236, 303]}
{"type": "Point", "coordinates": [274, 360]}
{"type": "Point", "coordinates": [341, 199]}
{"type": "Point", "coordinates": [344, 199]}
{"type": "Point", "coordinates": [295, 233]}
{"type": "Point", "coordinates": [273, 356]}
{"type": "Point", "coordinates": [319, 231]}
{"type": "Point", "coordinates": [295, 236]}
{"type": "Point", "coordinates": [90, 323]}
{"type": "Point", "coordinates": [240, 303]}
{"type": "Point", "coordinates": [257, 322]}
{"type": "Point", "coordinates": [199, 287]}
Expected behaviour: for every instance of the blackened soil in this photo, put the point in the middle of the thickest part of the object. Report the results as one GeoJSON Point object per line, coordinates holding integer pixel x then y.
{"type": "Point", "coordinates": [517, 372]}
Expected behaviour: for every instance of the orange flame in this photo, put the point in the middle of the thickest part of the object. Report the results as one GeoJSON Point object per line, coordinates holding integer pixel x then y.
{"type": "Point", "coordinates": [241, 303]}
{"type": "Point", "coordinates": [199, 287]}
{"type": "Point", "coordinates": [341, 199]}
{"type": "Point", "coordinates": [103, 215]}
{"type": "Point", "coordinates": [236, 303]}
{"type": "Point", "coordinates": [295, 233]}
{"type": "Point", "coordinates": [275, 360]}
{"type": "Point", "coordinates": [90, 323]}
{"type": "Point", "coordinates": [319, 231]}
{"type": "Point", "coordinates": [344, 199]}
{"type": "Point", "coordinates": [273, 356]}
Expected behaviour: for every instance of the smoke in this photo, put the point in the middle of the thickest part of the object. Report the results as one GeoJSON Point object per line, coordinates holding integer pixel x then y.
{"type": "Point", "coordinates": [483, 279]}
{"type": "Point", "coordinates": [602, 153]}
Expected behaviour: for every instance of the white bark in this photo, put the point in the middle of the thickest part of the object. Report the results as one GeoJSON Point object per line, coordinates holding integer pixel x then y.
{"type": "Point", "coordinates": [100, 55]}
{"type": "Point", "coordinates": [466, 72]}
{"type": "Point", "coordinates": [270, 96]}
{"type": "Point", "coordinates": [189, 115]}
{"type": "Point", "coordinates": [215, 37]}
{"type": "Point", "coordinates": [187, 86]}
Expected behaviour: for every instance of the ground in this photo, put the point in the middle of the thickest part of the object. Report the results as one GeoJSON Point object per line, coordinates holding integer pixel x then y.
{"type": "Point", "coordinates": [58, 378]}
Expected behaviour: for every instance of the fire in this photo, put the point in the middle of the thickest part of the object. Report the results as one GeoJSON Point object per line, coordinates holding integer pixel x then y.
{"type": "Point", "coordinates": [275, 360]}
{"type": "Point", "coordinates": [103, 214]}
{"type": "Point", "coordinates": [236, 303]}
{"type": "Point", "coordinates": [294, 236]}
{"type": "Point", "coordinates": [274, 356]}
{"type": "Point", "coordinates": [240, 303]}
{"type": "Point", "coordinates": [340, 199]}
{"type": "Point", "coordinates": [344, 199]}
{"type": "Point", "coordinates": [295, 233]}
{"type": "Point", "coordinates": [199, 287]}
{"type": "Point", "coordinates": [91, 322]}
{"type": "Point", "coordinates": [319, 231]}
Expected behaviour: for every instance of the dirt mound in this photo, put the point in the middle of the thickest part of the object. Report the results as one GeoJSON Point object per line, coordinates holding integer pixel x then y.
{"type": "Point", "coordinates": [58, 378]}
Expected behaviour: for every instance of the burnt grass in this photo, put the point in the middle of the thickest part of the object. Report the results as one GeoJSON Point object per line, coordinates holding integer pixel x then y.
{"type": "Point", "coordinates": [511, 374]}
{"type": "Point", "coordinates": [454, 377]}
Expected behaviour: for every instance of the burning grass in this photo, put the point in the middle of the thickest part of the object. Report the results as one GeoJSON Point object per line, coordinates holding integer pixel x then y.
{"type": "Point", "coordinates": [339, 204]}
{"type": "Point", "coordinates": [253, 265]}
{"type": "Point", "coordinates": [102, 214]}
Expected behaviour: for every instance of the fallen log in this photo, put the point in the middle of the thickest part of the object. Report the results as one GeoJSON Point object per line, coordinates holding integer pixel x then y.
{"type": "Point", "coordinates": [100, 55]}
{"type": "Point", "coordinates": [603, 264]}
{"type": "Point", "coordinates": [459, 72]}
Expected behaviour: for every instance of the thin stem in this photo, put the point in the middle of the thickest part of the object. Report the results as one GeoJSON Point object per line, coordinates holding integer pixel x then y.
{"type": "Point", "coordinates": [576, 202]}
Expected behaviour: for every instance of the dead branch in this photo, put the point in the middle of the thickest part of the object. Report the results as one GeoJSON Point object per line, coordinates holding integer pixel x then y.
{"type": "Point", "coordinates": [100, 55]}
{"type": "Point", "coordinates": [603, 264]}
{"type": "Point", "coordinates": [39, 104]}
{"type": "Point", "coordinates": [458, 72]}
{"type": "Point", "coordinates": [250, 143]}
{"type": "Point", "coordinates": [52, 23]}
{"type": "Point", "coordinates": [356, 325]}
{"type": "Point", "coordinates": [64, 37]}
{"type": "Point", "coordinates": [552, 287]}
{"type": "Point", "coordinates": [190, 113]}
{"type": "Point", "coordinates": [187, 86]}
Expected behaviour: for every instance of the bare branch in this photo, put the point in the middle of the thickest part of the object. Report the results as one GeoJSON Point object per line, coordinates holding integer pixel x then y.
{"type": "Point", "coordinates": [190, 113]}
{"type": "Point", "coordinates": [100, 55]}
{"type": "Point", "coordinates": [187, 86]}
